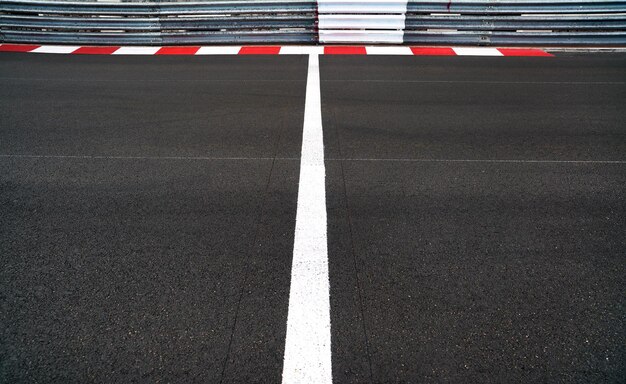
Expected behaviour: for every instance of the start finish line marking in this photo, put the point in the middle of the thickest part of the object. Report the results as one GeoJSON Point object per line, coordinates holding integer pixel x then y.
{"type": "Point", "coordinates": [307, 347]}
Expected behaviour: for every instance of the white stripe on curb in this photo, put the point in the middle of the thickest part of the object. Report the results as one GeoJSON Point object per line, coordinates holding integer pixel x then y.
{"type": "Point", "coordinates": [55, 49]}
{"type": "Point", "coordinates": [301, 50]}
{"type": "Point", "coordinates": [476, 51]}
{"type": "Point", "coordinates": [218, 50]}
{"type": "Point", "coordinates": [137, 51]}
{"type": "Point", "coordinates": [388, 51]}
{"type": "Point", "coordinates": [307, 346]}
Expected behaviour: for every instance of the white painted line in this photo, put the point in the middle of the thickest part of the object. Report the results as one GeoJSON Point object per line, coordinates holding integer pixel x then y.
{"type": "Point", "coordinates": [55, 49]}
{"type": "Point", "coordinates": [301, 50]}
{"type": "Point", "coordinates": [388, 51]}
{"type": "Point", "coordinates": [307, 347]}
{"type": "Point", "coordinates": [137, 51]}
{"type": "Point", "coordinates": [226, 50]}
{"type": "Point", "coordinates": [521, 161]}
{"type": "Point", "coordinates": [476, 51]}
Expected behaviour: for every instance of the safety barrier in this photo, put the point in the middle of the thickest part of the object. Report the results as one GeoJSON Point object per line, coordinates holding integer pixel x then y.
{"type": "Point", "coordinates": [367, 21]}
{"type": "Point", "coordinates": [519, 22]}
{"type": "Point", "coordinates": [441, 22]}
{"type": "Point", "coordinates": [474, 22]}
{"type": "Point", "coordinates": [158, 23]}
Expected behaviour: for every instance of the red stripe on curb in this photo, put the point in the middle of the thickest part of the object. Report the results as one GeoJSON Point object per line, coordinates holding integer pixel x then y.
{"type": "Point", "coordinates": [523, 52]}
{"type": "Point", "coordinates": [269, 50]}
{"type": "Point", "coordinates": [345, 51]}
{"type": "Point", "coordinates": [17, 48]}
{"type": "Point", "coordinates": [432, 51]}
{"type": "Point", "coordinates": [177, 51]}
{"type": "Point", "coordinates": [259, 51]}
{"type": "Point", "coordinates": [95, 50]}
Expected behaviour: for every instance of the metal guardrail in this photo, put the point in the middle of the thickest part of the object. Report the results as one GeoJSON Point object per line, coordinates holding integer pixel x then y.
{"type": "Point", "coordinates": [158, 23]}
{"type": "Point", "coordinates": [521, 22]}
{"type": "Point", "coordinates": [475, 22]}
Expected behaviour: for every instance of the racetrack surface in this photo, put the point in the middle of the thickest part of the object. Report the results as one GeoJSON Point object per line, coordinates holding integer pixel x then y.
{"type": "Point", "coordinates": [476, 217]}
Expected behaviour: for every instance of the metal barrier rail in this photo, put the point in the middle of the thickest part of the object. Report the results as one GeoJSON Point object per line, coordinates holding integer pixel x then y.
{"type": "Point", "coordinates": [475, 22]}
{"type": "Point", "coordinates": [158, 23]}
{"type": "Point", "coordinates": [522, 22]}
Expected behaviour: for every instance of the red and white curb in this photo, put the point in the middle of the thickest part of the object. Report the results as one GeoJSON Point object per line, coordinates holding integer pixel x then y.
{"type": "Point", "coordinates": [276, 50]}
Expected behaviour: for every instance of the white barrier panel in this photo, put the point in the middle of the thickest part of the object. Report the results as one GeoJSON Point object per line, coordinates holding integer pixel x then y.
{"type": "Point", "coordinates": [361, 6]}
{"type": "Point", "coordinates": [362, 21]}
{"type": "Point", "coordinates": [356, 36]}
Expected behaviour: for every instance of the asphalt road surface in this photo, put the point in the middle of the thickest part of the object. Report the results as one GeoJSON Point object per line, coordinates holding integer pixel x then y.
{"type": "Point", "coordinates": [476, 211]}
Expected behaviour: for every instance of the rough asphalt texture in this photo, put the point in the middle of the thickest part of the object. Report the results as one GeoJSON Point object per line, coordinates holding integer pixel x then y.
{"type": "Point", "coordinates": [147, 212]}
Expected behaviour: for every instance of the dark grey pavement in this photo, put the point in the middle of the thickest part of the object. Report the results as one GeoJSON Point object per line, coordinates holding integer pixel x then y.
{"type": "Point", "coordinates": [454, 255]}
{"type": "Point", "coordinates": [148, 209]}
{"type": "Point", "coordinates": [476, 217]}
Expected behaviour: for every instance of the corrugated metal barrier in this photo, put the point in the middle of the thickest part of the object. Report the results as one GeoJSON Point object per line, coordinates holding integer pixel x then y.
{"type": "Point", "coordinates": [440, 22]}
{"type": "Point", "coordinates": [527, 22]}
{"type": "Point", "coordinates": [159, 23]}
